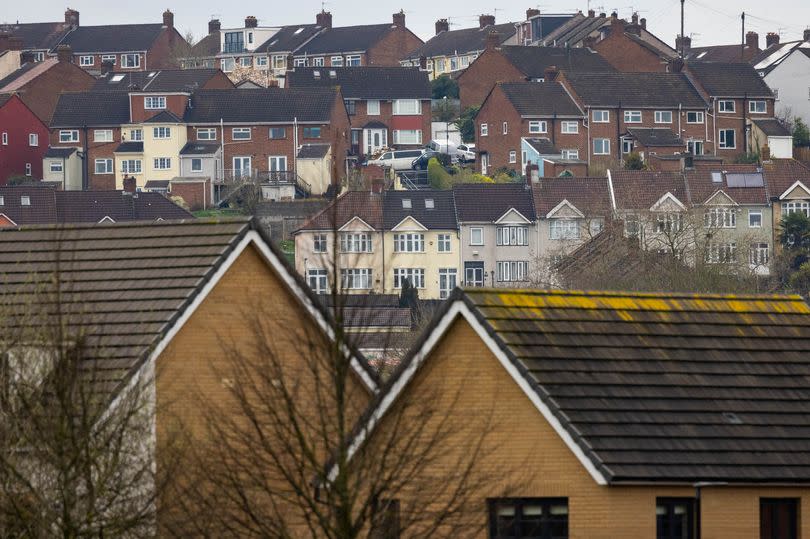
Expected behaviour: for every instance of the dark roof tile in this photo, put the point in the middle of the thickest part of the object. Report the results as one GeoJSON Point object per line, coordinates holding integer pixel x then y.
{"type": "Point", "coordinates": [200, 148]}
{"type": "Point", "coordinates": [166, 80]}
{"type": "Point", "coordinates": [262, 105]}
{"type": "Point", "coordinates": [130, 147]}
{"type": "Point", "coordinates": [461, 42]}
{"type": "Point", "coordinates": [635, 90]}
{"type": "Point", "coordinates": [486, 202]}
{"type": "Point", "coordinates": [540, 99]}
{"type": "Point", "coordinates": [91, 108]}
{"type": "Point", "coordinates": [730, 79]}
{"type": "Point", "coordinates": [772, 127]}
{"type": "Point", "coordinates": [364, 205]}
{"type": "Point", "coordinates": [290, 38]}
{"type": "Point", "coordinates": [641, 189]}
{"type": "Point", "coordinates": [442, 214]}
{"type": "Point", "coordinates": [313, 151]}
{"type": "Point", "coordinates": [37, 35]}
{"type": "Point", "coordinates": [656, 136]}
{"type": "Point", "coordinates": [345, 39]}
{"type": "Point", "coordinates": [113, 38]}
{"type": "Point", "coordinates": [365, 82]}
{"type": "Point", "coordinates": [533, 61]}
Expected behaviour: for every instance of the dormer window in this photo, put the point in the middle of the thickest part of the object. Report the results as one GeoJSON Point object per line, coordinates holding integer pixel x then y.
{"type": "Point", "coordinates": [154, 102]}
{"type": "Point", "coordinates": [406, 203]}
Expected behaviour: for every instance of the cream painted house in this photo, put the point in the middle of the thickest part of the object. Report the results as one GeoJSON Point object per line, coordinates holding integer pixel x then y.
{"type": "Point", "coordinates": [63, 165]}
{"type": "Point", "coordinates": [156, 156]}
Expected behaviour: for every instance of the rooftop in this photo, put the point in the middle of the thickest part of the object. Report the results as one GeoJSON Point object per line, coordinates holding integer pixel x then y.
{"type": "Point", "coordinates": [365, 82]}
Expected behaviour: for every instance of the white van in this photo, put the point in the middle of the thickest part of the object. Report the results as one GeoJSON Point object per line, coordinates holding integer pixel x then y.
{"type": "Point", "coordinates": [397, 159]}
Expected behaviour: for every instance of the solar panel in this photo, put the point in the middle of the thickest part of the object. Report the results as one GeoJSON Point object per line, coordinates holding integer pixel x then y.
{"type": "Point", "coordinates": [735, 180]}
{"type": "Point", "coordinates": [744, 180]}
{"type": "Point", "coordinates": [754, 180]}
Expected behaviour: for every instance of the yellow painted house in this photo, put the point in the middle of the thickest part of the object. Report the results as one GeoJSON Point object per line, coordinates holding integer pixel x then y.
{"type": "Point", "coordinates": [151, 150]}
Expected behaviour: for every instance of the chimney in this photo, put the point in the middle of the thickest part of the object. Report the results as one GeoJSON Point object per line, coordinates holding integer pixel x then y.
{"type": "Point", "coordinates": [214, 26]}
{"type": "Point", "coordinates": [643, 22]}
{"type": "Point", "coordinates": [550, 73]}
{"type": "Point", "coordinates": [634, 18]}
{"type": "Point", "coordinates": [675, 65]}
{"type": "Point", "coordinates": [686, 42]}
{"type": "Point", "coordinates": [168, 19]}
{"type": "Point", "coordinates": [72, 17]}
{"type": "Point", "coordinates": [807, 34]}
{"type": "Point", "coordinates": [442, 26]}
{"type": "Point", "coordinates": [532, 12]}
{"type": "Point", "coordinates": [423, 63]}
{"type": "Point", "coordinates": [324, 19]}
{"type": "Point", "coordinates": [251, 22]}
{"type": "Point", "coordinates": [765, 153]}
{"type": "Point", "coordinates": [493, 40]}
{"type": "Point", "coordinates": [772, 38]}
{"type": "Point", "coordinates": [589, 42]}
{"type": "Point", "coordinates": [399, 19]}
{"type": "Point", "coordinates": [130, 185]}
{"type": "Point", "coordinates": [614, 16]}
{"type": "Point", "coordinates": [486, 20]}
{"type": "Point", "coordinates": [591, 14]}
{"type": "Point", "coordinates": [64, 53]}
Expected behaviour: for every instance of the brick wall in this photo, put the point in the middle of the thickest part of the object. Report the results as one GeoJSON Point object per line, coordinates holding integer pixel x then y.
{"type": "Point", "coordinates": [396, 44]}
{"type": "Point", "coordinates": [386, 116]}
{"type": "Point", "coordinates": [626, 54]}
{"type": "Point", "coordinates": [42, 93]}
{"type": "Point", "coordinates": [735, 120]}
{"type": "Point", "coordinates": [196, 194]}
{"type": "Point", "coordinates": [95, 150]}
{"type": "Point", "coordinates": [17, 122]}
{"type": "Point", "coordinates": [175, 103]}
{"type": "Point", "coordinates": [479, 78]}
{"type": "Point", "coordinates": [166, 50]}
{"type": "Point", "coordinates": [97, 62]}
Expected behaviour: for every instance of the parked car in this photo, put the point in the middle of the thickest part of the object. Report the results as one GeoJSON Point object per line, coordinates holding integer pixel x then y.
{"type": "Point", "coordinates": [421, 162]}
{"type": "Point", "coordinates": [442, 146]}
{"type": "Point", "coordinates": [396, 159]}
{"type": "Point", "coordinates": [466, 153]}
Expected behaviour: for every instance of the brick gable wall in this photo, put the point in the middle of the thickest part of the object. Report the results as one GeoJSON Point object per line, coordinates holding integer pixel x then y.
{"type": "Point", "coordinates": [42, 93]}
{"type": "Point", "coordinates": [627, 55]}
{"type": "Point", "coordinates": [488, 69]}
{"type": "Point", "coordinates": [396, 44]}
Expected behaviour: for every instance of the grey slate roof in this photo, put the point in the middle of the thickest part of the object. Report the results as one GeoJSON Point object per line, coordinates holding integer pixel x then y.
{"type": "Point", "coordinates": [345, 39]}
{"type": "Point", "coordinates": [262, 105]}
{"type": "Point", "coordinates": [166, 80]}
{"type": "Point", "coordinates": [591, 196]}
{"type": "Point", "coordinates": [533, 61]}
{"type": "Point", "coordinates": [200, 148]}
{"type": "Point", "coordinates": [207, 46]}
{"type": "Point", "coordinates": [656, 136]}
{"type": "Point", "coordinates": [772, 127]}
{"type": "Point", "coordinates": [313, 151]}
{"type": "Point", "coordinates": [487, 202]}
{"type": "Point", "coordinates": [17, 73]}
{"type": "Point", "coordinates": [635, 90]}
{"type": "Point", "coordinates": [540, 99]}
{"type": "Point", "coordinates": [91, 108]}
{"type": "Point", "coordinates": [37, 35]}
{"type": "Point", "coordinates": [289, 38]}
{"type": "Point", "coordinates": [365, 82]}
{"type": "Point", "coordinates": [365, 205]}
{"type": "Point", "coordinates": [164, 117]}
{"type": "Point", "coordinates": [441, 216]}
{"type": "Point", "coordinates": [59, 152]}
{"type": "Point", "coordinates": [730, 79]}
{"type": "Point", "coordinates": [113, 38]}
{"type": "Point", "coordinates": [461, 42]}
{"type": "Point", "coordinates": [543, 146]}
{"type": "Point", "coordinates": [130, 147]}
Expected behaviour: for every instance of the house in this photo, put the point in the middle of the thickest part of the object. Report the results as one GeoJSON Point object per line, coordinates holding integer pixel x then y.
{"type": "Point", "coordinates": [203, 53]}
{"type": "Point", "coordinates": [511, 63]}
{"type": "Point", "coordinates": [451, 51]}
{"type": "Point", "coordinates": [23, 140]}
{"type": "Point", "coordinates": [38, 39]}
{"type": "Point", "coordinates": [789, 186]}
{"type": "Point", "coordinates": [539, 24]}
{"type": "Point", "coordinates": [720, 53]}
{"type": "Point", "coordinates": [518, 110]}
{"type": "Point", "coordinates": [775, 135]}
{"type": "Point", "coordinates": [126, 47]}
{"type": "Point", "coordinates": [389, 107]}
{"type": "Point", "coordinates": [163, 81]}
{"type": "Point", "coordinates": [540, 158]}
{"type": "Point", "coordinates": [498, 241]}
{"type": "Point", "coordinates": [553, 390]}
{"type": "Point", "coordinates": [784, 68]}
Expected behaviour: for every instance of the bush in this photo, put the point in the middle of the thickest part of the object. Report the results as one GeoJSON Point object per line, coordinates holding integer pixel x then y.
{"type": "Point", "coordinates": [438, 177]}
{"type": "Point", "coordinates": [466, 124]}
{"type": "Point", "coordinates": [634, 162]}
{"type": "Point", "coordinates": [801, 133]}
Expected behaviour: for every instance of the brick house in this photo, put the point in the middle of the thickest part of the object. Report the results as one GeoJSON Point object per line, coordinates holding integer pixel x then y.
{"type": "Point", "coordinates": [37, 40]}
{"type": "Point", "coordinates": [511, 63]}
{"type": "Point", "coordinates": [630, 47]}
{"type": "Point", "coordinates": [389, 107]}
{"type": "Point", "coordinates": [514, 111]}
{"type": "Point", "coordinates": [720, 53]}
{"type": "Point", "coordinates": [24, 140]}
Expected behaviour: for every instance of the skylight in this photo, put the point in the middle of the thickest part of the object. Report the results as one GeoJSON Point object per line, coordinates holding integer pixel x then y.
{"type": "Point", "coordinates": [117, 78]}
{"type": "Point", "coordinates": [332, 74]}
{"type": "Point", "coordinates": [152, 74]}
{"type": "Point", "coordinates": [406, 203]}
{"type": "Point", "coordinates": [429, 203]}
{"type": "Point", "coordinates": [717, 177]}
{"type": "Point", "coordinates": [298, 31]}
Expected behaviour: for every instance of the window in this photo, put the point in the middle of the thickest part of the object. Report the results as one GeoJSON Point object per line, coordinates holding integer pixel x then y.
{"type": "Point", "coordinates": [668, 222]}
{"type": "Point", "coordinates": [564, 229]}
{"type": "Point", "coordinates": [601, 146]}
{"type": "Point", "coordinates": [444, 243]}
{"type": "Point", "coordinates": [317, 62]}
{"type": "Point", "coordinates": [33, 139]}
{"type": "Point", "coordinates": [102, 135]}
{"type": "Point", "coordinates": [337, 61]}
{"type": "Point", "coordinates": [674, 518]}
{"type": "Point", "coordinates": [154, 102]}
{"type": "Point", "coordinates": [240, 133]}
{"type": "Point", "coordinates": [541, 518]}
{"type": "Point", "coordinates": [161, 132]}
{"type": "Point", "coordinates": [512, 270]}
{"type": "Point", "coordinates": [694, 117]}
{"type": "Point", "coordinates": [234, 42]}
{"type": "Point", "coordinates": [227, 64]}
{"type": "Point", "coordinates": [277, 133]}
{"type": "Point", "coordinates": [601, 116]}
{"type": "Point", "coordinates": [2, 200]}
{"type": "Point", "coordinates": [448, 278]}
{"type": "Point", "coordinates": [757, 107]}
{"type": "Point", "coordinates": [407, 106]}
{"type": "Point", "coordinates": [351, 106]}
{"type": "Point", "coordinates": [409, 243]}
{"type": "Point", "coordinates": [246, 61]}
{"type": "Point", "coordinates": [627, 145]}
{"type": "Point", "coordinates": [569, 127]}
{"type": "Point", "coordinates": [196, 164]}
{"type": "Point", "coordinates": [538, 126]}
{"type": "Point", "coordinates": [5, 139]}
{"type": "Point", "coordinates": [754, 219]}
{"type": "Point", "coordinates": [663, 116]}
{"type": "Point", "coordinates": [513, 156]}
{"type": "Point", "coordinates": [279, 62]}
{"type": "Point", "coordinates": [136, 134]}
{"type": "Point", "coordinates": [70, 135]}
{"type": "Point", "coordinates": [484, 130]}
{"type": "Point", "coordinates": [28, 169]}
{"type": "Point", "coordinates": [312, 132]}
{"type": "Point", "coordinates": [300, 62]}
{"type": "Point", "coordinates": [130, 60]}
{"type": "Point", "coordinates": [207, 133]}
{"type": "Point", "coordinates": [512, 235]}
{"type": "Point", "coordinates": [55, 166]}
{"type": "Point", "coordinates": [25, 200]}
{"type": "Point", "coordinates": [797, 206]}
{"type": "Point", "coordinates": [162, 163]}
{"type": "Point", "coordinates": [353, 60]}
{"type": "Point", "coordinates": [319, 243]}
{"type": "Point", "coordinates": [104, 166]}
{"type": "Point", "coordinates": [261, 62]}
{"type": "Point", "coordinates": [758, 254]}
{"type": "Point", "coordinates": [778, 518]}
{"type": "Point", "coordinates": [725, 105]}
{"type": "Point", "coordinates": [695, 147]}
{"type": "Point", "coordinates": [570, 154]}
{"type": "Point", "coordinates": [131, 166]}
{"type": "Point", "coordinates": [355, 278]}
{"type": "Point", "coordinates": [407, 136]}
{"type": "Point", "coordinates": [406, 203]}
{"type": "Point", "coordinates": [277, 163]}
{"type": "Point", "coordinates": [506, 128]}
{"type": "Point", "coordinates": [416, 276]}
{"type": "Point", "coordinates": [476, 236]}
{"type": "Point", "coordinates": [373, 107]}
{"type": "Point", "coordinates": [632, 116]}
{"type": "Point", "coordinates": [720, 218]}
{"type": "Point", "coordinates": [726, 138]}
{"type": "Point", "coordinates": [721, 253]}
{"type": "Point", "coordinates": [86, 61]}
{"type": "Point", "coordinates": [430, 203]}
{"type": "Point", "coordinates": [355, 242]}
{"type": "Point", "coordinates": [632, 226]}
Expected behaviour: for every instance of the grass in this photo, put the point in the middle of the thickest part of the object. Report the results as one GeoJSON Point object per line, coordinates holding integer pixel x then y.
{"type": "Point", "coordinates": [216, 212]}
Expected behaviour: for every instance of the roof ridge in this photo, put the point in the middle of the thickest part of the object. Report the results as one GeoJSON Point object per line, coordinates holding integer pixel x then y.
{"type": "Point", "coordinates": [613, 293]}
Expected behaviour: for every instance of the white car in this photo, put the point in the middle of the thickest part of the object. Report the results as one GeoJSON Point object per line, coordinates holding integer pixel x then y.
{"type": "Point", "coordinates": [396, 159]}
{"type": "Point", "coordinates": [466, 153]}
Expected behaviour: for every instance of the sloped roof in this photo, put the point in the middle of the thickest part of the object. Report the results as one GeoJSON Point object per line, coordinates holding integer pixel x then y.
{"type": "Point", "coordinates": [656, 136]}
{"type": "Point", "coordinates": [25, 74]}
{"type": "Point", "coordinates": [730, 79]}
{"type": "Point", "coordinates": [60, 152]}
{"type": "Point", "coordinates": [533, 61]}
{"type": "Point", "coordinates": [721, 53]}
{"type": "Point", "coordinates": [365, 205]}
{"type": "Point", "coordinates": [589, 195]}
{"type": "Point", "coordinates": [769, 58]}
{"type": "Point", "coordinates": [200, 148]}
{"type": "Point", "coordinates": [42, 207]}
{"type": "Point", "coordinates": [313, 151]}
{"type": "Point", "coordinates": [461, 42]}
{"type": "Point", "coordinates": [113, 37]}
{"type": "Point", "coordinates": [540, 99]}
{"type": "Point", "coordinates": [164, 80]}
{"type": "Point", "coordinates": [130, 146]}
{"type": "Point", "coordinates": [781, 174]}
{"type": "Point", "coordinates": [364, 82]}
{"type": "Point", "coordinates": [207, 46]}
{"type": "Point", "coordinates": [441, 216]}
{"type": "Point", "coordinates": [772, 127]}
{"type": "Point", "coordinates": [641, 189]}
{"type": "Point", "coordinates": [487, 202]}
{"type": "Point", "coordinates": [289, 38]}
{"type": "Point", "coordinates": [37, 35]}
{"type": "Point", "coordinates": [91, 108]}
{"type": "Point", "coordinates": [574, 30]}
{"type": "Point", "coordinates": [256, 105]}
{"type": "Point", "coordinates": [543, 146]}
{"type": "Point", "coordinates": [635, 89]}
{"type": "Point", "coordinates": [702, 184]}
{"type": "Point", "coordinates": [345, 39]}
{"type": "Point", "coordinates": [164, 117]}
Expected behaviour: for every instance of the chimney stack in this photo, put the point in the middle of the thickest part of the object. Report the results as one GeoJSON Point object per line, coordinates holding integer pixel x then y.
{"type": "Point", "coordinates": [251, 22]}
{"type": "Point", "coordinates": [130, 185]}
{"type": "Point", "coordinates": [493, 40]}
{"type": "Point", "coordinates": [772, 38]}
{"type": "Point", "coordinates": [643, 22]}
{"type": "Point", "coordinates": [168, 19]}
{"type": "Point", "coordinates": [399, 19]}
{"type": "Point", "coordinates": [72, 17]}
{"type": "Point", "coordinates": [214, 26]}
{"type": "Point", "coordinates": [550, 73]}
{"type": "Point", "coordinates": [685, 41]}
{"type": "Point", "coordinates": [442, 26]}
{"type": "Point", "coordinates": [589, 42]}
{"type": "Point", "coordinates": [64, 53]}
{"type": "Point", "coordinates": [634, 18]}
{"type": "Point", "coordinates": [752, 40]}
{"type": "Point", "coordinates": [324, 19]}
{"type": "Point", "coordinates": [807, 34]}
{"type": "Point", "coordinates": [486, 20]}
{"type": "Point", "coordinates": [591, 14]}
{"type": "Point", "coordinates": [532, 12]}
{"type": "Point", "coordinates": [423, 63]}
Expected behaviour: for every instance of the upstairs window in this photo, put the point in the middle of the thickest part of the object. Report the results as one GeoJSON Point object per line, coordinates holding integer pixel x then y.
{"type": "Point", "coordinates": [373, 107]}
{"type": "Point", "coordinates": [130, 61]}
{"type": "Point", "coordinates": [355, 243]}
{"type": "Point", "coordinates": [136, 134]}
{"type": "Point", "coordinates": [207, 133]}
{"type": "Point", "coordinates": [102, 135]}
{"type": "Point", "coordinates": [720, 218]}
{"type": "Point", "coordinates": [319, 243]}
{"type": "Point", "coordinates": [407, 107]}
{"type": "Point", "coordinates": [513, 235]}
{"type": "Point", "coordinates": [538, 126]}
{"type": "Point", "coordinates": [632, 116]}
{"type": "Point", "coordinates": [161, 133]}
{"type": "Point", "coordinates": [694, 117]}
{"type": "Point", "coordinates": [312, 132]}
{"type": "Point", "coordinates": [154, 102]}
{"type": "Point", "coordinates": [33, 139]}
{"type": "Point", "coordinates": [663, 116]}
{"type": "Point", "coordinates": [336, 61]}
{"type": "Point", "coordinates": [352, 60]}
{"type": "Point", "coordinates": [601, 116]}
{"type": "Point", "coordinates": [484, 130]}
{"type": "Point", "coordinates": [351, 106]}
{"type": "Point", "coordinates": [530, 518]}
{"type": "Point", "coordinates": [69, 135]}
{"type": "Point", "coordinates": [277, 133]}
{"type": "Point", "coordinates": [564, 229]}
{"type": "Point", "coordinates": [569, 127]}
{"type": "Point", "coordinates": [758, 107]}
{"type": "Point", "coordinates": [240, 133]}
{"type": "Point", "coordinates": [725, 105]}
{"type": "Point", "coordinates": [85, 61]}
{"type": "Point", "coordinates": [674, 518]}
{"type": "Point", "coordinates": [409, 243]}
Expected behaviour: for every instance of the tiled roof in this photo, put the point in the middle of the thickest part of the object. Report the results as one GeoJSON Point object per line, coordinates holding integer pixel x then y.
{"type": "Point", "coordinates": [207, 46]}
{"type": "Point", "coordinates": [781, 174]}
{"type": "Point", "coordinates": [635, 90]}
{"type": "Point", "coordinates": [345, 39]}
{"type": "Point", "coordinates": [664, 388]}
{"type": "Point", "coordinates": [772, 127]}
{"type": "Point", "coordinates": [641, 189]}
{"type": "Point", "coordinates": [37, 35]}
{"type": "Point", "coordinates": [574, 30]}
{"type": "Point", "coordinates": [91, 108]}
{"type": "Point", "coordinates": [771, 57]}
{"type": "Point", "coordinates": [656, 136]}
{"type": "Point", "coordinates": [720, 53]}
{"type": "Point", "coordinates": [130, 147]}
{"type": "Point", "coordinates": [12, 79]}
{"type": "Point", "coordinates": [366, 205]}
{"type": "Point", "coordinates": [166, 80]}
{"type": "Point", "coordinates": [730, 80]}
{"type": "Point", "coordinates": [543, 146]}
{"type": "Point", "coordinates": [487, 202]}
{"type": "Point", "coordinates": [461, 42]}
{"type": "Point", "coordinates": [589, 195]}
{"type": "Point", "coordinates": [200, 148]}
{"type": "Point", "coordinates": [540, 99]}
{"type": "Point", "coordinates": [376, 316]}
{"type": "Point", "coordinates": [365, 82]}
{"type": "Point", "coordinates": [164, 117]}
{"type": "Point", "coordinates": [289, 38]}
{"type": "Point", "coordinates": [313, 151]}
{"type": "Point", "coordinates": [533, 61]}
{"type": "Point", "coordinates": [59, 152]}
{"type": "Point", "coordinates": [42, 207]}
{"type": "Point", "coordinates": [262, 105]}
{"type": "Point", "coordinates": [157, 184]}
{"type": "Point", "coordinates": [441, 216]}
{"type": "Point", "coordinates": [703, 185]}
{"type": "Point", "coordinates": [113, 38]}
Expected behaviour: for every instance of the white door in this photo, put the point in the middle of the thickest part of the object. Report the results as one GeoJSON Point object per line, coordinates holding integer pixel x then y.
{"type": "Point", "coordinates": [277, 166]}
{"type": "Point", "coordinates": [447, 281]}
{"type": "Point", "coordinates": [241, 167]}
{"type": "Point", "coordinates": [318, 280]}
{"type": "Point", "coordinates": [374, 139]}
{"type": "Point", "coordinates": [484, 163]}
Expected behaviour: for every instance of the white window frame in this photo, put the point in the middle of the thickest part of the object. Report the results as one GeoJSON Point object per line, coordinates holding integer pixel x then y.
{"type": "Point", "coordinates": [108, 168]}
{"type": "Point", "coordinates": [415, 275]}
{"type": "Point", "coordinates": [724, 104]}
{"type": "Point", "coordinates": [125, 60]}
{"type": "Point", "coordinates": [136, 134]}
{"type": "Point", "coordinates": [758, 254]}
{"type": "Point", "coordinates": [241, 131]}
{"type": "Point", "coordinates": [721, 253]}
{"type": "Point", "coordinates": [161, 133]}
{"type": "Point", "coordinates": [506, 128]}
{"type": "Point", "coordinates": [33, 139]}
{"type": "Point", "coordinates": [131, 166]}
{"type": "Point", "coordinates": [512, 235]}
{"type": "Point", "coordinates": [409, 242]}
{"type": "Point", "coordinates": [569, 127]}
{"type": "Point", "coordinates": [484, 130]}
{"type": "Point", "coordinates": [206, 133]}
{"type": "Point", "coordinates": [605, 143]}
{"type": "Point", "coordinates": [413, 136]}
{"type": "Point", "coordinates": [162, 163]}
{"type": "Point", "coordinates": [722, 143]}
{"type": "Point", "coordinates": [355, 278]}
{"type": "Point", "coordinates": [660, 114]}
{"type": "Point", "coordinates": [796, 206]}
{"type": "Point", "coordinates": [283, 132]}
{"type": "Point", "coordinates": [318, 62]}
{"type": "Point", "coordinates": [480, 232]}
{"type": "Point", "coordinates": [55, 166]}
{"type": "Point", "coordinates": [720, 217]}
{"type": "Point", "coordinates": [512, 271]}
{"type": "Point", "coordinates": [754, 213]}
{"type": "Point", "coordinates": [373, 107]}
{"type": "Point", "coordinates": [512, 156]}
{"type": "Point", "coordinates": [68, 135]}
{"type": "Point", "coordinates": [320, 243]}
{"type": "Point", "coordinates": [752, 106]}
{"type": "Point", "coordinates": [25, 200]}
{"type": "Point", "coordinates": [444, 243]}
{"type": "Point", "coordinates": [700, 116]}
{"type": "Point", "coordinates": [87, 60]}
{"type": "Point", "coordinates": [570, 153]}
{"type": "Point", "coordinates": [602, 117]}
{"type": "Point", "coordinates": [109, 58]}
{"type": "Point", "coordinates": [407, 107]}
{"type": "Point", "coordinates": [448, 280]}
{"type": "Point", "coordinates": [246, 61]}
{"type": "Point", "coordinates": [102, 135]}
{"type": "Point", "coordinates": [5, 139]}
{"type": "Point", "coordinates": [193, 161]}
{"type": "Point", "coordinates": [336, 61]}
{"type": "Point", "coordinates": [353, 60]}
{"type": "Point", "coordinates": [633, 117]}
{"type": "Point", "coordinates": [154, 102]}
{"type": "Point", "coordinates": [538, 126]}
{"type": "Point", "coordinates": [356, 242]}
{"type": "Point", "coordinates": [563, 229]}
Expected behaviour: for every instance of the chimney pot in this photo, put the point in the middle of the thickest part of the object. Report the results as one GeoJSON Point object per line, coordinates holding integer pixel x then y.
{"type": "Point", "coordinates": [686, 42]}
{"type": "Point", "coordinates": [130, 185]}
{"type": "Point", "coordinates": [634, 18]}
{"type": "Point", "coordinates": [643, 22]}
{"type": "Point", "coordinates": [214, 26]}
{"type": "Point", "coordinates": [71, 17]}
{"type": "Point", "coordinates": [486, 20]}
{"type": "Point", "coordinates": [772, 38]}
{"type": "Point", "coordinates": [493, 40]}
{"type": "Point", "coordinates": [442, 26]}
{"type": "Point", "coordinates": [532, 12]}
{"type": "Point", "coordinates": [168, 19]}
{"type": "Point", "coordinates": [591, 14]}
{"type": "Point", "coordinates": [752, 40]}
{"type": "Point", "coordinates": [251, 22]}
{"type": "Point", "coordinates": [324, 19]}
{"type": "Point", "coordinates": [64, 53]}
{"type": "Point", "coordinates": [807, 34]}
{"type": "Point", "coordinates": [399, 19]}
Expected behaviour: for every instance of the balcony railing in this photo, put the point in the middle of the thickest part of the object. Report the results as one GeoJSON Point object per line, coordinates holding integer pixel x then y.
{"type": "Point", "coordinates": [233, 179]}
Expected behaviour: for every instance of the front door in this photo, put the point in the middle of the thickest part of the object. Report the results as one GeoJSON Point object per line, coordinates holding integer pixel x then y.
{"type": "Point", "coordinates": [374, 139]}
{"type": "Point", "coordinates": [474, 274]}
{"type": "Point", "coordinates": [484, 163]}
{"type": "Point", "coordinates": [447, 282]}
{"type": "Point", "coordinates": [241, 167]}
